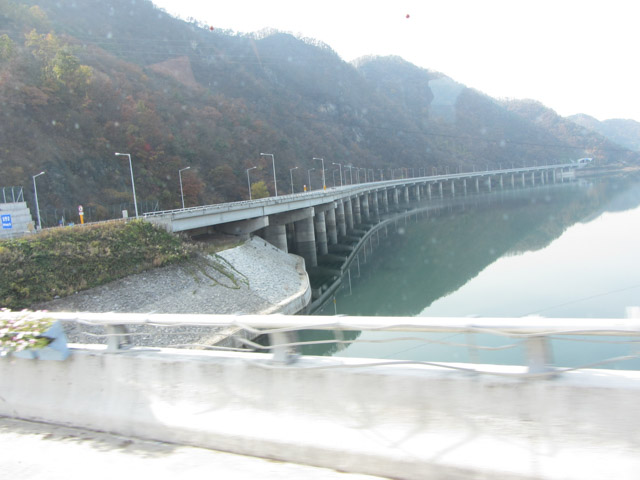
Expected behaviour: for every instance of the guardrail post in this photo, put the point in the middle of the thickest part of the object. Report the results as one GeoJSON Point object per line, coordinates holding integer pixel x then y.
{"type": "Point", "coordinates": [283, 353]}
{"type": "Point", "coordinates": [118, 337]}
{"type": "Point", "coordinates": [539, 355]}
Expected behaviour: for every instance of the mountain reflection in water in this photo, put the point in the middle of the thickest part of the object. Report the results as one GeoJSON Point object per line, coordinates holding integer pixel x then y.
{"type": "Point", "coordinates": [555, 251]}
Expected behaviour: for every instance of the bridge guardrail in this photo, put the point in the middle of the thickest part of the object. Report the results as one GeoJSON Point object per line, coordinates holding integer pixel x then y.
{"type": "Point", "coordinates": [354, 188]}
{"type": "Point", "coordinates": [533, 333]}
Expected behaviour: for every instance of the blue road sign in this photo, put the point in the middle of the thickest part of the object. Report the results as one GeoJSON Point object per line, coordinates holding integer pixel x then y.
{"type": "Point", "coordinates": [6, 221]}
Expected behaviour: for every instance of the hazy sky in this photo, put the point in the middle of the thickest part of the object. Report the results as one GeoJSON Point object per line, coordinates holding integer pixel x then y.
{"type": "Point", "coordinates": [575, 56]}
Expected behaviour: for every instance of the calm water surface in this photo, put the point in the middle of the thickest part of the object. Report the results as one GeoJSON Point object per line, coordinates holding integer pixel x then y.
{"type": "Point", "coordinates": [559, 251]}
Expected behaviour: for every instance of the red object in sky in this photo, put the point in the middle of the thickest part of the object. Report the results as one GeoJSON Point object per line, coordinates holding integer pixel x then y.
{"type": "Point", "coordinates": [408, 15]}
{"type": "Point", "coordinates": [211, 28]}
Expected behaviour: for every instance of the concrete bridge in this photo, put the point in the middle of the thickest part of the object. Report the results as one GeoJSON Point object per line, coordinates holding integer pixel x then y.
{"type": "Point", "coordinates": [309, 223]}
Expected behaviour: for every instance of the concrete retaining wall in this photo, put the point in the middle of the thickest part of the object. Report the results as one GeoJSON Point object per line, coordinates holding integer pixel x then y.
{"type": "Point", "coordinates": [300, 301]}
{"type": "Point", "coordinates": [21, 220]}
{"type": "Point", "coordinates": [411, 422]}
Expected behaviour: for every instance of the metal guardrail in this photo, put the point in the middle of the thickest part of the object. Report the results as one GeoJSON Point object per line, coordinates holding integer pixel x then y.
{"type": "Point", "coordinates": [535, 333]}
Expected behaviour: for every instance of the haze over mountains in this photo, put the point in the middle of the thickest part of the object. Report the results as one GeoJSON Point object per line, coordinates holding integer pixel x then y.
{"type": "Point", "coordinates": [624, 132]}
{"type": "Point", "coordinates": [80, 81]}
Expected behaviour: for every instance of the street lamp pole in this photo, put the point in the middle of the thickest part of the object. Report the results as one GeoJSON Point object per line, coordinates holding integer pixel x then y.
{"type": "Point", "coordinates": [133, 186]}
{"type": "Point", "coordinates": [180, 176]}
{"type": "Point", "coordinates": [339, 165]}
{"type": "Point", "coordinates": [249, 181]}
{"type": "Point", "coordinates": [309, 175]}
{"type": "Point", "coordinates": [273, 161]}
{"type": "Point", "coordinates": [350, 167]}
{"type": "Point", "coordinates": [291, 176]}
{"type": "Point", "coordinates": [35, 192]}
{"type": "Point", "coordinates": [324, 183]}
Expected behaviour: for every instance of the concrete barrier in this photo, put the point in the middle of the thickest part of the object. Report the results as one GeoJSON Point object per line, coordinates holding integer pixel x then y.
{"type": "Point", "coordinates": [402, 421]}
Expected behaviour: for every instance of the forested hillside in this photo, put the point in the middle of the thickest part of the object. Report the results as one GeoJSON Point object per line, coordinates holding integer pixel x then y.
{"type": "Point", "coordinates": [624, 132]}
{"type": "Point", "coordinates": [80, 81]}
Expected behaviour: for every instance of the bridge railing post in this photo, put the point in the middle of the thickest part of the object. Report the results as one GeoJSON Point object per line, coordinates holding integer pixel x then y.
{"type": "Point", "coordinates": [117, 337]}
{"type": "Point", "coordinates": [539, 354]}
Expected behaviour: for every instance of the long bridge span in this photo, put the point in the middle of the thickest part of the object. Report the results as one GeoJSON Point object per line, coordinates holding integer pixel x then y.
{"type": "Point", "coordinates": [310, 223]}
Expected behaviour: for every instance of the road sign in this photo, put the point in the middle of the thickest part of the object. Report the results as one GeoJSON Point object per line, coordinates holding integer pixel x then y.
{"type": "Point", "coordinates": [6, 221]}
{"type": "Point", "coordinates": [80, 210]}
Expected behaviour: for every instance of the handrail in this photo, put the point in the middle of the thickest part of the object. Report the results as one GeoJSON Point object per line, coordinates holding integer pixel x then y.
{"type": "Point", "coordinates": [535, 332]}
{"type": "Point", "coordinates": [523, 326]}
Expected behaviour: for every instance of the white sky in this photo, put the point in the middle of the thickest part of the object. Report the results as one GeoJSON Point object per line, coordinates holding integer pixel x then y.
{"type": "Point", "coordinates": [575, 56]}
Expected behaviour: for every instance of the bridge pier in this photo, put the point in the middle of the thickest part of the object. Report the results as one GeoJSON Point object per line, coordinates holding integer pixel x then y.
{"type": "Point", "coordinates": [477, 185]}
{"type": "Point", "coordinates": [330, 220]}
{"type": "Point", "coordinates": [441, 189]}
{"type": "Point", "coordinates": [464, 186]}
{"type": "Point", "coordinates": [429, 191]}
{"type": "Point", "coordinates": [291, 236]}
{"type": "Point", "coordinates": [533, 178]}
{"type": "Point", "coordinates": [385, 201]}
{"type": "Point", "coordinates": [489, 183]}
{"type": "Point", "coordinates": [305, 241]}
{"type": "Point", "coordinates": [417, 192]}
{"type": "Point", "coordinates": [453, 188]}
{"type": "Point", "coordinates": [357, 216]}
{"type": "Point", "coordinates": [406, 194]}
{"type": "Point", "coordinates": [395, 199]}
{"type": "Point", "coordinates": [376, 207]}
{"type": "Point", "coordinates": [348, 214]}
{"type": "Point", "coordinates": [276, 235]}
{"type": "Point", "coordinates": [341, 222]}
{"type": "Point", "coordinates": [321, 233]}
{"type": "Point", "coordinates": [524, 184]}
{"type": "Point", "coordinates": [513, 180]}
{"type": "Point", "coordinates": [365, 206]}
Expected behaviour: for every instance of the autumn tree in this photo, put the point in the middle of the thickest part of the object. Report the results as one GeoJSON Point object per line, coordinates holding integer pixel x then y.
{"type": "Point", "coordinates": [59, 66]}
{"type": "Point", "coordinates": [259, 190]}
{"type": "Point", "coordinates": [7, 47]}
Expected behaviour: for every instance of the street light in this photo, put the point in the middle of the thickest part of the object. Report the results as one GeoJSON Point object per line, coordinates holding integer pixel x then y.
{"type": "Point", "coordinates": [350, 167]}
{"type": "Point", "coordinates": [248, 181]}
{"type": "Point", "coordinates": [133, 186]}
{"type": "Point", "coordinates": [180, 176]}
{"type": "Point", "coordinates": [309, 175]}
{"type": "Point", "coordinates": [273, 160]}
{"type": "Point", "coordinates": [35, 192]}
{"type": "Point", "coordinates": [324, 183]}
{"type": "Point", "coordinates": [291, 175]}
{"type": "Point", "coordinates": [340, 165]}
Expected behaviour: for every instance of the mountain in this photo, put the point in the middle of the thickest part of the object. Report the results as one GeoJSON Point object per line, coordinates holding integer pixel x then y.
{"type": "Point", "coordinates": [80, 81]}
{"type": "Point", "coordinates": [625, 133]}
{"type": "Point", "coordinates": [568, 132]}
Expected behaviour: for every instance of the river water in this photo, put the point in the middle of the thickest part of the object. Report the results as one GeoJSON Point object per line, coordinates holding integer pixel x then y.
{"type": "Point", "coordinates": [569, 250]}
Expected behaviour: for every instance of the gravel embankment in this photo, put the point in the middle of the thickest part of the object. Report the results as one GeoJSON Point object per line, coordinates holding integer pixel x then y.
{"type": "Point", "coordinates": [252, 278]}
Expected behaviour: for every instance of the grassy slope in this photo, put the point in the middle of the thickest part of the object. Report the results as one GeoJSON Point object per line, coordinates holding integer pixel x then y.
{"type": "Point", "coordinates": [64, 260]}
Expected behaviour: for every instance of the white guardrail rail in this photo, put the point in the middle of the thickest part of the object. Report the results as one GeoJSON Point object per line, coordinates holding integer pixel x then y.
{"type": "Point", "coordinates": [534, 333]}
